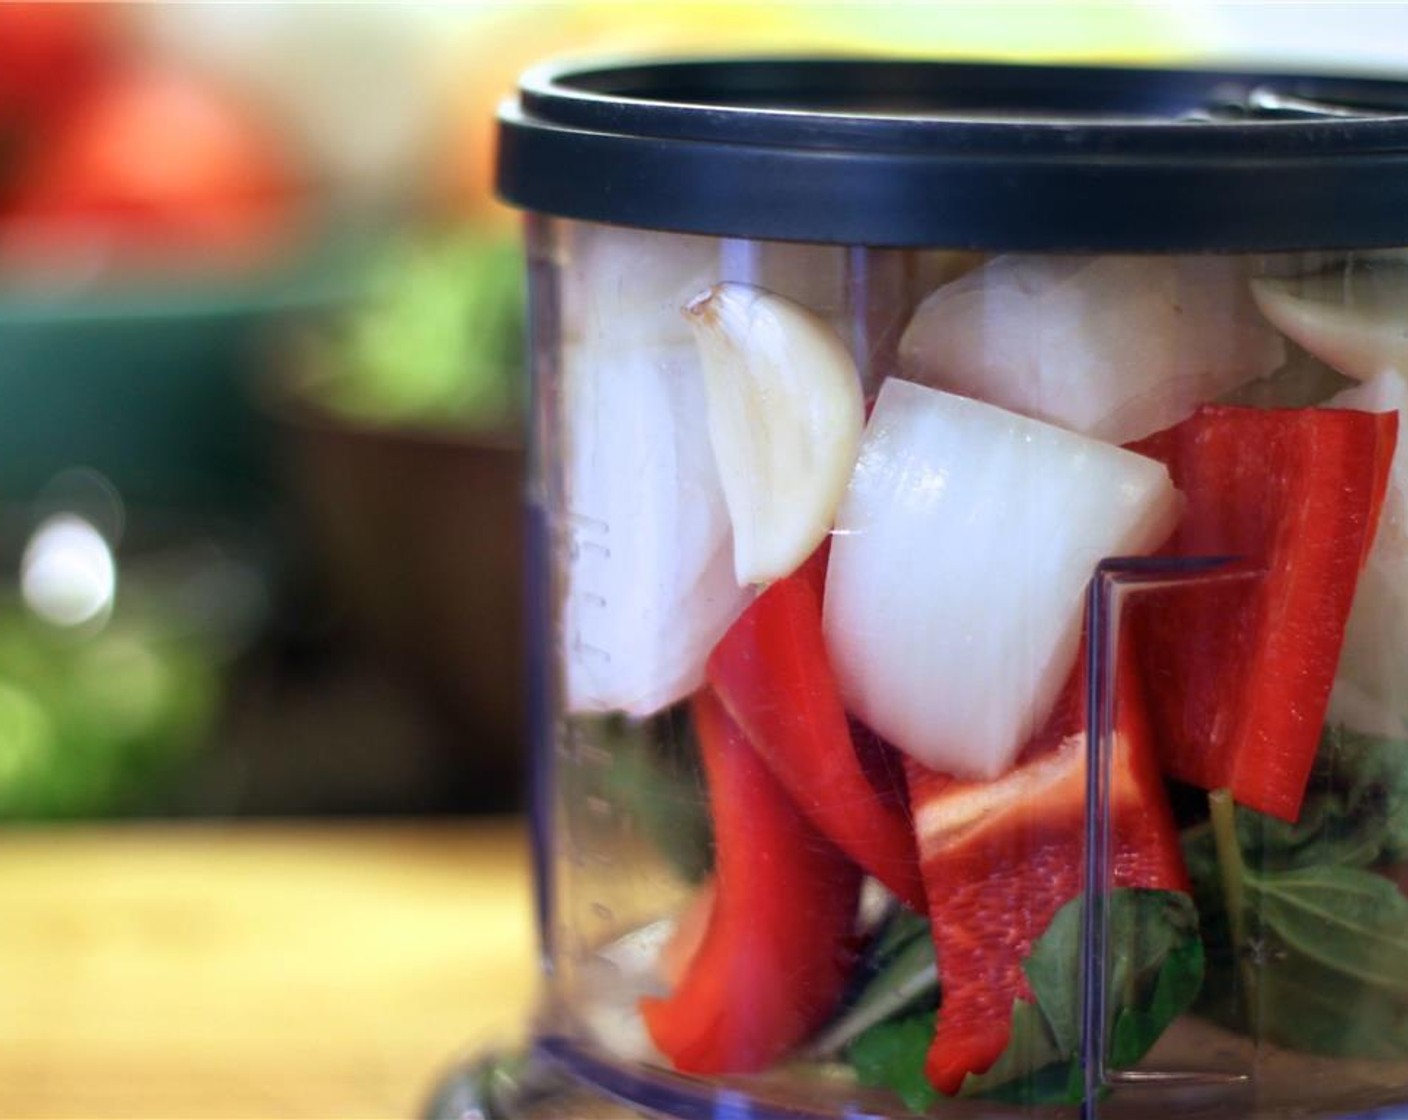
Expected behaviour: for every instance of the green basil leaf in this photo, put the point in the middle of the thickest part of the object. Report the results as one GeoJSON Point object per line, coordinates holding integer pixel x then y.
{"type": "Point", "coordinates": [1137, 1026]}
{"type": "Point", "coordinates": [1355, 813]}
{"type": "Point", "coordinates": [1156, 972]}
{"type": "Point", "coordinates": [1352, 922]}
{"type": "Point", "coordinates": [1155, 952]}
{"type": "Point", "coordinates": [1378, 787]}
{"type": "Point", "coordinates": [902, 929]}
{"type": "Point", "coordinates": [654, 779]}
{"type": "Point", "coordinates": [1157, 968]}
{"type": "Point", "coordinates": [892, 1054]}
{"type": "Point", "coordinates": [1300, 1005]}
{"type": "Point", "coordinates": [1054, 973]}
{"type": "Point", "coordinates": [1032, 1069]}
{"type": "Point", "coordinates": [1029, 1072]}
{"type": "Point", "coordinates": [1323, 966]}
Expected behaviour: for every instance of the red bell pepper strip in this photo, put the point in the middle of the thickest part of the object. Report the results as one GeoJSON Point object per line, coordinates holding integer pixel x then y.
{"type": "Point", "coordinates": [780, 940]}
{"type": "Point", "coordinates": [772, 674]}
{"type": "Point", "coordinates": [1239, 673]}
{"type": "Point", "coordinates": [1000, 858]}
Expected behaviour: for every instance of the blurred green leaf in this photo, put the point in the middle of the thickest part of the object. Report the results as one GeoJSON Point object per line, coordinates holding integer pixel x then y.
{"type": "Point", "coordinates": [95, 723]}
{"type": "Point", "coordinates": [439, 341]}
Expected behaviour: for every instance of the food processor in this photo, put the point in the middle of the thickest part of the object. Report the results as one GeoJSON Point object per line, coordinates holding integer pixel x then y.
{"type": "Point", "coordinates": [971, 591]}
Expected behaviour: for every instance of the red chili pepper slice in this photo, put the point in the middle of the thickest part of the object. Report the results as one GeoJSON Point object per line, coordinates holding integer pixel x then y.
{"type": "Point", "coordinates": [1000, 858]}
{"type": "Point", "coordinates": [772, 674]}
{"type": "Point", "coordinates": [780, 941]}
{"type": "Point", "coordinates": [1239, 673]}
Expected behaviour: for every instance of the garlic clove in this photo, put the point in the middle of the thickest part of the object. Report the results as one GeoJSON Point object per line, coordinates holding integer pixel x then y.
{"type": "Point", "coordinates": [1354, 319]}
{"type": "Point", "coordinates": [785, 415]}
{"type": "Point", "coordinates": [866, 294]}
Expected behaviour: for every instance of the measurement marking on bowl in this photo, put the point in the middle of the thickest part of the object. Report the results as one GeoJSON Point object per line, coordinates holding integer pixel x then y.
{"type": "Point", "coordinates": [595, 652]}
{"type": "Point", "coordinates": [582, 528]}
{"type": "Point", "coordinates": [579, 548]}
{"type": "Point", "coordinates": [585, 522]}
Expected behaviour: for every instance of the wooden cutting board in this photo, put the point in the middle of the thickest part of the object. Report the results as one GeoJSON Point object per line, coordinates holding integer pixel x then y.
{"type": "Point", "coordinates": [255, 971]}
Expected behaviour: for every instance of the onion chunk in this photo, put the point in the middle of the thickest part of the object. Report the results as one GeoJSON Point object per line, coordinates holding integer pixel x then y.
{"type": "Point", "coordinates": [648, 587]}
{"type": "Point", "coordinates": [1112, 347]}
{"type": "Point", "coordinates": [962, 547]}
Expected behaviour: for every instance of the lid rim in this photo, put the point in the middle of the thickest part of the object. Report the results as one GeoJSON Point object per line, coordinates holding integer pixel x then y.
{"type": "Point", "coordinates": [1103, 185]}
{"type": "Point", "coordinates": [544, 92]}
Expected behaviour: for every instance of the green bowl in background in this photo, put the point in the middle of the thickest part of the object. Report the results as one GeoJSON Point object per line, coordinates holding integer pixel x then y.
{"type": "Point", "coordinates": [149, 385]}
{"type": "Point", "coordinates": [143, 391]}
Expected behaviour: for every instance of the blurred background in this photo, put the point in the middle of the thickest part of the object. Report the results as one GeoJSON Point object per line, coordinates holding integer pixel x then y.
{"type": "Point", "coordinates": [261, 405]}
{"type": "Point", "coordinates": [260, 385]}
{"type": "Point", "coordinates": [260, 388]}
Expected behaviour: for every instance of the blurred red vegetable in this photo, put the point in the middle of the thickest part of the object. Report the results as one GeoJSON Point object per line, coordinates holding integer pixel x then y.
{"type": "Point", "coordinates": [49, 55]}
{"type": "Point", "coordinates": [153, 163]}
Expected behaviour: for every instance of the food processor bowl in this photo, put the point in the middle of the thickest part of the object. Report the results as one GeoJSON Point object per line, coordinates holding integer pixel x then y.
{"type": "Point", "coordinates": [971, 591]}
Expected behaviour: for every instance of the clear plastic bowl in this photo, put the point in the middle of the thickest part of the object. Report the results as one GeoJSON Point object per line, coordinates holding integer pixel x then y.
{"type": "Point", "coordinates": [972, 674]}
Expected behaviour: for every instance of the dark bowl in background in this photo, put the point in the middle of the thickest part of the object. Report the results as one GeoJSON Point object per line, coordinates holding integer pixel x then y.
{"type": "Point", "coordinates": [420, 534]}
{"type": "Point", "coordinates": [147, 381]}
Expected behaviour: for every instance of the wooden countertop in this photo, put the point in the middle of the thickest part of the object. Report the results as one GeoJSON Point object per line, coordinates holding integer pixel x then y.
{"type": "Point", "coordinates": [255, 971]}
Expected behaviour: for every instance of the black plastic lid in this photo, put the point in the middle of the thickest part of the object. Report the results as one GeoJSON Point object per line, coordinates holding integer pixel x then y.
{"type": "Point", "coordinates": [1041, 158]}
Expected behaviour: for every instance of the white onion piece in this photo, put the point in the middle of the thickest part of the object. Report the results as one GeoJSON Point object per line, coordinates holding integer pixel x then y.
{"type": "Point", "coordinates": [954, 593]}
{"type": "Point", "coordinates": [785, 415]}
{"type": "Point", "coordinates": [1112, 347]}
{"type": "Point", "coordinates": [625, 287]}
{"type": "Point", "coordinates": [1355, 319]}
{"type": "Point", "coordinates": [1371, 685]}
{"type": "Point", "coordinates": [650, 585]}
{"type": "Point", "coordinates": [649, 580]}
